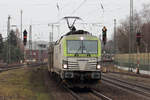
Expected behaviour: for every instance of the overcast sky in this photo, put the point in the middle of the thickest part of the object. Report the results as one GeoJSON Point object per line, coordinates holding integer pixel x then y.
{"type": "Point", "coordinates": [41, 12]}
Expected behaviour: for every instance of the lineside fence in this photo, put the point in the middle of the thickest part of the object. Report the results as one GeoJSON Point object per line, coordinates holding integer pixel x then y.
{"type": "Point", "coordinates": [132, 60]}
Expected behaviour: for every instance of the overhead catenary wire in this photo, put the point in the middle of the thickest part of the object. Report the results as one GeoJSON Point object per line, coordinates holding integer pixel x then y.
{"type": "Point", "coordinates": [57, 5]}
{"type": "Point", "coordinates": [101, 4]}
{"type": "Point", "coordinates": [100, 8]}
{"type": "Point", "coordinates": [75, 10]}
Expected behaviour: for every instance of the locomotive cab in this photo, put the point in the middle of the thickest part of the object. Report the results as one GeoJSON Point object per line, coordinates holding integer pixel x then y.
{"type": "Point", "coordinates": [77, 57]}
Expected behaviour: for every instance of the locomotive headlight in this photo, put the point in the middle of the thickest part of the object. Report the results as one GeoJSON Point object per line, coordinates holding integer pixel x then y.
{"type": "Point", "coordinates": [65, 66]}
{"type": "Point", "coordinates": [81, 38]}
{"type": "Point", "coordinates": [98, 67]}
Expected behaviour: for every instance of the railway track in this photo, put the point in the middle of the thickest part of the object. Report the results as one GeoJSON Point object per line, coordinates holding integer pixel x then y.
{"type": "Point", "coordinates": [75, 95]}
{"type": "Point", "coordinates": [132, 74]}
{"type": "Point", "coordinates": [98, 94]}
{"type": "Point", "coordinates": [6, 68]}
{"type": "Point", "coordinates": [89, 94]}
{"type": "Point", "coordinates": [135, 88]}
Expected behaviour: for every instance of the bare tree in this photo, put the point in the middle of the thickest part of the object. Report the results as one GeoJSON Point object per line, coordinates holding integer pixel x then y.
{"type": "Point", "coordinates": [146, 13]}
{"type": "Point", "coordinates": [123, 33]}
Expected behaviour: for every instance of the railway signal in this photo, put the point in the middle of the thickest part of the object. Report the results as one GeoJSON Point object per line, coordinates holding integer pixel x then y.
{"type": "Point", "coordinates": [25, 37]}
{"type": "Point", "coordinates": [138, 38]}
{"type": "Point", "coordinates": [104, 32]}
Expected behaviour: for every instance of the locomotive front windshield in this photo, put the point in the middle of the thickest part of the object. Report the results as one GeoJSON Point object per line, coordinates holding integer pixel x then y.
{"type": "Point", "coordinates": [82, 46]}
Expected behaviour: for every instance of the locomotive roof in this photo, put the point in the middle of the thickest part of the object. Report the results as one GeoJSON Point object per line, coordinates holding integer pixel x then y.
{"type": "Point", "coordinates": [75, 34]}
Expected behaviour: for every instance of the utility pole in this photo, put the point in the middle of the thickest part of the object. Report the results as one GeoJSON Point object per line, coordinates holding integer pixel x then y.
{"type": "Point", "coordinates": [115, 40]}
{"type": "Point", "coordinates": [131, 36]}
{"type": "Point", "coordinates": [51, 38]}
{"type": "Point", "coordinates": [8, 39]}
{"type": "Point", "coordinates": [51, 33]}
{"type": "Point", "coordinates": [58, 30]}
{"type": "Point", "coordinates": [30, 42]}
{"type": "Point", "coordinates": [39, 52]}
{"type": "Point", "coordinates": [21, 25]}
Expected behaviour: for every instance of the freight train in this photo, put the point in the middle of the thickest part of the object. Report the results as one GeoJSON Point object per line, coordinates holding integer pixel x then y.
{"type": "Point", "coordinates": [76, 58]}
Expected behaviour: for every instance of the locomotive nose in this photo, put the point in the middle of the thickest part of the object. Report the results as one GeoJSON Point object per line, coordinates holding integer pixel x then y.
{"type": "Point", "coordinates": [82, 64]}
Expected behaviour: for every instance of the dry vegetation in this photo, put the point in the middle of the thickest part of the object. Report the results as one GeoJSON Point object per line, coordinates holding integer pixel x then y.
{"type": "Point", "coordinates": [141, 23]}
{"type": "Point", "coordinates": [23, 84]}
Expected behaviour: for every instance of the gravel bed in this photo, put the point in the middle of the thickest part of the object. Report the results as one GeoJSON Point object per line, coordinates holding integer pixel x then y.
{"type": "Point", "coordinates": [56, 89]}
{"type": "Point", "coordinates": [116, 93]}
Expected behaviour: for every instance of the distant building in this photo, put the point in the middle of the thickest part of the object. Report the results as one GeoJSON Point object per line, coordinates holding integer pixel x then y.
{"type": "Point", "coordinates": [39, 51]}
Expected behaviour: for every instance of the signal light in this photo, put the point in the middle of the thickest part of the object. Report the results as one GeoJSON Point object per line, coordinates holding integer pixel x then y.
{"type": "Point", "coordinates": [24, 37]}
{"type": "Point", "coordinates": [104, 32]}
{"type": "Point", "coordinates": [138, 38]}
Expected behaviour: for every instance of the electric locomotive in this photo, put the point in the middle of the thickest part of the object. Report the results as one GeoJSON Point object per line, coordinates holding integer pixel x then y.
{"type": "Point", "coordinates": [76, 58]}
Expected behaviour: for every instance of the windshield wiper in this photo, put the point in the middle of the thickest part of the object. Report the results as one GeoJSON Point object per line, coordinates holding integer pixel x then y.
{"type": "Point", "coordinates": [76, 54]}
{"type": "Point", "coordinates": [88, 54]}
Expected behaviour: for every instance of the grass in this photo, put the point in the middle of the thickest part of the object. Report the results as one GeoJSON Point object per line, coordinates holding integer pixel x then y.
{"type": "Point", "coordinates": [23, 84]}
{"type": "Point", "coordinates": [143, 57]}
{"type": "Point", "coordinates": [112, 68]}
{"type": "Point", "coordinates": [126, 60]}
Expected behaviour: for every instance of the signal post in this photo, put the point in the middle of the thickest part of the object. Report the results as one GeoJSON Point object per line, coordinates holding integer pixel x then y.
{"type": "Point", "coordinates": [104, 32]}
{"type": "Point", "coordinates": [104, 40]}
{"type": "Point", "coordinates": [24, 42]}
{"type": "Point", "coordinates": [138, 40]}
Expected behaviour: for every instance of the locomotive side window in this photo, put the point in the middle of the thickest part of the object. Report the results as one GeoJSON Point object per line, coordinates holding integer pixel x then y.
{"type": "Point", "coordinates": [59, 48]}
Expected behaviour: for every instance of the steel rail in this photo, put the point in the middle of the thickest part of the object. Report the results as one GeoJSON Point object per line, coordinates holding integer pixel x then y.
{"type": "Point", "coordinates": [93, 92]}
{"type": "Point", "coordinates": [75, 95]}
{"type": "Point", "coordinates": [2, 69]}
{"type": "Point", "coordinates": [130, 83]}
{"type": "Point", "coordinates": [127, 86]}
{"type": "Point", "coordinates": [132, 74]}
{"type": "Point", "coordinates": [98, 94]}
